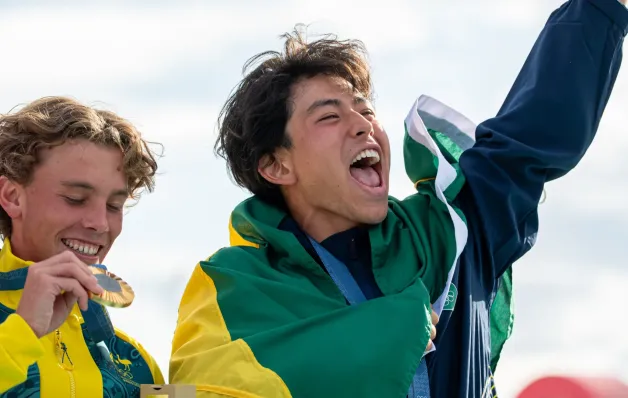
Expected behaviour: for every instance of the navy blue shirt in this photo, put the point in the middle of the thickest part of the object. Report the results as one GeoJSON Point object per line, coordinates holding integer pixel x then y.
{"type": "Point", "coordinates": [543, 129]}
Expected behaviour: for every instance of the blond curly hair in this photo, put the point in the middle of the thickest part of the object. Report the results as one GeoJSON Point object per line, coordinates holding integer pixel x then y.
{"type": "Point", "coordinates": [52, 121]}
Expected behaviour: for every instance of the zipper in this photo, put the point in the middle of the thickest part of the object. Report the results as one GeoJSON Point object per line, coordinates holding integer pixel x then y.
{"type": "Point", "coordinates": [65, 362]}
{"type": "Point", "coordinates": [72, 384]}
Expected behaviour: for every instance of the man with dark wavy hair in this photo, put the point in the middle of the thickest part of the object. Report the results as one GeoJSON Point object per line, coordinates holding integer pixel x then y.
{"type": "Point", "coordinates": [329, 285]}
{"type": "Point", "coordinates": [66, 172]}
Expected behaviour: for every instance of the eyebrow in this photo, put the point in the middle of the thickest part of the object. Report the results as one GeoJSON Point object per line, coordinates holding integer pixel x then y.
{"type": "Point", "coordinates": [89, 187]}
{"type": "Point", "coordinates": [333, 102]}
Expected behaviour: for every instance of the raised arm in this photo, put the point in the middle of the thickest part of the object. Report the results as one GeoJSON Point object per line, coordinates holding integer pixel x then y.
{"type": "Point", "coordinates": [544, 127]}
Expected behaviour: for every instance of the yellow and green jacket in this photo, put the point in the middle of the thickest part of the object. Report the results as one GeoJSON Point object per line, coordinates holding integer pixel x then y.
{"type": "Point", "coordinates": [67, 362]}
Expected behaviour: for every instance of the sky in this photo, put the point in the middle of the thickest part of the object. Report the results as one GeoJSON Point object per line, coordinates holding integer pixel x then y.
{"type": "Point", "coordinates": [168, 67]}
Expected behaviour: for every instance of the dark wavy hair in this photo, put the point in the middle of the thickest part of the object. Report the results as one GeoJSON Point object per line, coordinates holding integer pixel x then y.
{"type": "Point", "coordinates": [253, 121]}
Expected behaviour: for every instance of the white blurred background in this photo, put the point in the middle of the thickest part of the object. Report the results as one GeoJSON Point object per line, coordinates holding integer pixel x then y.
{"type": "Point", "coordinates": [169, 67]}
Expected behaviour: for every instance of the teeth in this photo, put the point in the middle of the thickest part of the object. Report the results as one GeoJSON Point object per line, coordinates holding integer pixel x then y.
{"type": "Point", "coordinates": [81, 247]}
{"type": "Point", "coordinates": [371, 154]}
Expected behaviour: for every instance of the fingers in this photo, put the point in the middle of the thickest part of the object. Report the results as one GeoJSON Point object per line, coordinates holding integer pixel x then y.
{"type": "Point", "coordinates": [70, 299]}
{"type": "Point", "coordinates": [435, 318]}
{"type": "Point", "coordinates": [68, 266]}
{"type": "Point", "coordinates": [75, 271]}
{"type": "Point", "coordinates": [69, 257]}
{"type": "Point", "coordinates": [73, 292]}
{"type": "Point", "coordinates": [430, 344]}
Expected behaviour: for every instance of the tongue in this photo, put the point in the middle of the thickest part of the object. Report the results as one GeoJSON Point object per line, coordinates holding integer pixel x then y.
{"type": "Point", "coordinates": [366, 175]}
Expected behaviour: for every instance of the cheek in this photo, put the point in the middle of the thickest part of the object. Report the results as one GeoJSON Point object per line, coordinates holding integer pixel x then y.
{"type": "Point", "coordinates": [50, 213]}
{"type": "Point", "coordinates": [115, 224]}
{"type": "Point", "coordinates": [382, 136]}
{"type": "Point", "coordinates": [382, 139]}
{"type": "Point", "coordinates": [320, 164]}
{"type": "Point", "coordinates": [309, 156]}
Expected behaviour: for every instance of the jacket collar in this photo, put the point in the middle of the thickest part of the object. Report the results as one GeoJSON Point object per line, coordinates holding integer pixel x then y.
{"type": "Point", "coordinates": [8, 261]}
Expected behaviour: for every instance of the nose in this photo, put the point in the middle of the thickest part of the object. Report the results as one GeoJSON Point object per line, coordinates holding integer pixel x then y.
{"type": "Point", "coordinates": [361, 125]}
{"type": "Point", "coordinates": [95, 218]}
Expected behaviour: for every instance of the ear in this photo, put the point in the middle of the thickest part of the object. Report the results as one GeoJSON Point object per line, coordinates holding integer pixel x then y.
{"type": "Point", "coordinates": [10, 194]}
{"type": "Point", "coordinates": [277, 168]}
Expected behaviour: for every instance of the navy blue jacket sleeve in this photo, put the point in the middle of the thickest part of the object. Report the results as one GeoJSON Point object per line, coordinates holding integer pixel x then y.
{"type": "Point", "coordinates": [543, 129]}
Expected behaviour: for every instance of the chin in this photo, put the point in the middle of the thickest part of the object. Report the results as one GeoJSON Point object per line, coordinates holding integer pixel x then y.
{"type": "Point", "coordinates": [374, 215]}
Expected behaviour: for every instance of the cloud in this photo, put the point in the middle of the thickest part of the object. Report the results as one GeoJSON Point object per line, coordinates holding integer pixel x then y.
{"type": "Point", "coordinates": [567, 322]}
{"type": "Point", "coordinates": [101, 45]}
{"type": "Point", "coordinates": [68, 49]}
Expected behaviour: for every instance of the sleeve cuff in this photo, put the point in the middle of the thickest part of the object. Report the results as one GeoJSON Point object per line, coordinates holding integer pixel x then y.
{"type": "Point", "coordinates": [615, 11]}
{"type": "Point", "coordinates": [20, 342]}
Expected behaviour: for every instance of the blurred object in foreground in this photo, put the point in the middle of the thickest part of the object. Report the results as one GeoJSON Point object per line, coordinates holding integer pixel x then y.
{"type": "Point", "coordinates": [167, 390]}
{"type": "Point", "coordinates": [575, 387]}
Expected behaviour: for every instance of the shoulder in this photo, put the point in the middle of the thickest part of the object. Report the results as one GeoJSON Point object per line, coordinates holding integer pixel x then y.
{"type": "Point", "coordinates": [236, 258]}
{"type": "Point", "coordinates": [242, 255]}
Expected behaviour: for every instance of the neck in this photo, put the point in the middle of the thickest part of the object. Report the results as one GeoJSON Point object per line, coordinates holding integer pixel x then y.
{"type": "Point", "coordinates": [318, 223]}
{"type": "Point", "coordinates": [19, 248]}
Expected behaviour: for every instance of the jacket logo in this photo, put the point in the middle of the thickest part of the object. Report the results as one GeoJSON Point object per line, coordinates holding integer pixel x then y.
{"type": "Point", "coordinates": [123, 366]}
{"type": "Point", "coordinates": [450, 301]}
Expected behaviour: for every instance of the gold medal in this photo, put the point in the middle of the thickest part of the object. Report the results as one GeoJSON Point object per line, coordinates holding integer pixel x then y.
{"type": "Point", "coordinates": [116, 292]}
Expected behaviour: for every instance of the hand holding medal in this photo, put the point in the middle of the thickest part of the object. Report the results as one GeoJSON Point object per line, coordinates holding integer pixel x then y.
{"type": "Point", "coordinates": [116, 292]}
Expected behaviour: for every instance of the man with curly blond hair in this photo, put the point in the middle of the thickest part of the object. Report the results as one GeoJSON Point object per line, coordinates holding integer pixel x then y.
{"type": "Point", "coordinates": [66, 172]}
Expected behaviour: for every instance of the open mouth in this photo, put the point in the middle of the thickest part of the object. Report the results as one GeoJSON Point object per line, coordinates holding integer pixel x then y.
{"type": "Point", "coordinates": [82, 248]}
{"type": "Point", "coordinates": [366, 168]}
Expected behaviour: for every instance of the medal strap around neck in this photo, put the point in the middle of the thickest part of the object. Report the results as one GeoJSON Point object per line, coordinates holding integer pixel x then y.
{"type": "Point", "coordinates": [339, 273]}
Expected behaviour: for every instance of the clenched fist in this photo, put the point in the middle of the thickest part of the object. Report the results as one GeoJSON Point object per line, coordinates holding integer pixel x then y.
{"type": "Point", "coordinates": [52, 288]}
